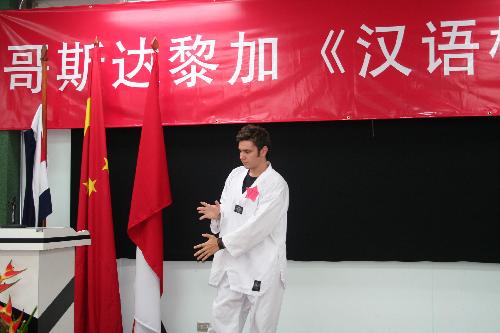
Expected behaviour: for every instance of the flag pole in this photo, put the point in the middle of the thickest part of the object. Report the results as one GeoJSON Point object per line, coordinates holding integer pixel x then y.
{"type": "Point", "coordinates": [155, 44]}
{"type": "Point", "coordinates": [44, 59]}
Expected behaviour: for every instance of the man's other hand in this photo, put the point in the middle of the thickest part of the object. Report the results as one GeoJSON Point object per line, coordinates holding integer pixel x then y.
{"type": "Point", "coordinates": [207, 249]}
{"type": "Point", "coordinates": [209, 211]}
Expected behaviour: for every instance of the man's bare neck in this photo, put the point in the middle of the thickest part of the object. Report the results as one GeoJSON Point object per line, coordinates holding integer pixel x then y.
{"type": "Point", "coordinates": [256, 172]}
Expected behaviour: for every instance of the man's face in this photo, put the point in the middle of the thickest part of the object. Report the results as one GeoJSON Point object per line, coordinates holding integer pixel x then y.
{"type": "Point", "coordinates": [249, 154]}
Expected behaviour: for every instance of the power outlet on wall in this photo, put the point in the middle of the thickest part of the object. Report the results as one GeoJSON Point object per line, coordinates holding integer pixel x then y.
{"type": "Point", "coordinates": [202, 327]}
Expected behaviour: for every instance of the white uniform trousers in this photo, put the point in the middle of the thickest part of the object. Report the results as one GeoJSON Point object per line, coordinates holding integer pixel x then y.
{"type": "Point", "coordinates": [230, 309]}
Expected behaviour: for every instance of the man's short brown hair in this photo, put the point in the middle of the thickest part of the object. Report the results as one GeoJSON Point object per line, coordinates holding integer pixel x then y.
{"type": "Point", "coordinates": [257, 134]}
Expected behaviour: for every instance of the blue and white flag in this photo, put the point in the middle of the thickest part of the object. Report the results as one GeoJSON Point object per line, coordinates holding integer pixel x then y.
{"type": "Point", "coordinates": [37, 200]}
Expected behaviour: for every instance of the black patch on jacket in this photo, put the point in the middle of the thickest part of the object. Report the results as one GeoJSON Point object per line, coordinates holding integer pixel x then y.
{"type": "Point", "coordinates": [238, 209]}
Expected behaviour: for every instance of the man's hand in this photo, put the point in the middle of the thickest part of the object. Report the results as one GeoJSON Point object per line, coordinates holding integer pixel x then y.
{"type": "Point", "coordinates": [206, 249]}
{"type": "Point", "coordinates": [209, 211]}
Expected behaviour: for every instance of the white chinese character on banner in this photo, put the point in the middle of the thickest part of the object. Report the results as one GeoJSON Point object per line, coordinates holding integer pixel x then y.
{"type": "Point", "coordinates": [390, 57]}
{"type": "Point", "coordinates": [241, 44]}
{"type": "Point", "coordinates": [452, 45]}
{"type": "Point", "coordinates": [494, 49]}
{"type": "Point", "coordinates": [25, 63]}
{"type": "Point", "coordinates": [142, 52]}
{"type": "Point", "coordinates": [70, 65]}
{"type": "Point", "coordinates": [189, 55]}
{"type": "Point", "coordinates": [333, 51]}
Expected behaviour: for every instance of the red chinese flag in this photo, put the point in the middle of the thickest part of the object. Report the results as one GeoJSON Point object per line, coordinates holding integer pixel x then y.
{"type": "Point", "coordinates": [150, 195]}
{"type": "Point", "coordinates": [97, 296]}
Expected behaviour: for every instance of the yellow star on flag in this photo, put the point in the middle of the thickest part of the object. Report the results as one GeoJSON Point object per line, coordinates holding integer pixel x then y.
{"type": "Point", "coordinates": [90, 185]}
{"type": "Point", "coordinates": [105, 167]}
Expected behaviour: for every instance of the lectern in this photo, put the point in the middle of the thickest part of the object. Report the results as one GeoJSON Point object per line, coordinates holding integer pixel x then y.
{"type": "Point", "coordinates": [48, 255]}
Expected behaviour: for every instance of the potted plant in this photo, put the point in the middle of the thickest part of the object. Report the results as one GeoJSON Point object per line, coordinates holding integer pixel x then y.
{"type": "Point", "coordinates": [9, 324]}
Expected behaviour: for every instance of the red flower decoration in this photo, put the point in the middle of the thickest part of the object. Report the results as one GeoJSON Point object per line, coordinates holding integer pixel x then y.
{"type": "Point", "coordinates": [252, 193]}
{"type": "Point", "coordinates": [15, 325]}
{"type": "Point", "coordinates": [6, 312]}
{"type": "Point", "coordinates": [5, 286]}
{"type": "Point", "coordinates": [9, 272]}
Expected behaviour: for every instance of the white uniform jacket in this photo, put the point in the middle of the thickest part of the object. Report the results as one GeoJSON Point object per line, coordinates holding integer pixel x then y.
{"type": "Point", "coordinates": [254, 233]}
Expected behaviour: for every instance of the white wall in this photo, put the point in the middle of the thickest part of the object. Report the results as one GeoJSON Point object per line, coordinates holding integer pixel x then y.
{"type": "Point", "coordinates": [59, 168]}
{"type": "Point", "coordinates": [346, 297]}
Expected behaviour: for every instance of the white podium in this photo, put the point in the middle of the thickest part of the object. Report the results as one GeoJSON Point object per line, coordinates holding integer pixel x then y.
{"type": "Point", "coordinates": [48, 256]}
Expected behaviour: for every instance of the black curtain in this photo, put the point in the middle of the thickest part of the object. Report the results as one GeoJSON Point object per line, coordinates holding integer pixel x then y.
{"type": "Point", "coordinates": [405, 190]}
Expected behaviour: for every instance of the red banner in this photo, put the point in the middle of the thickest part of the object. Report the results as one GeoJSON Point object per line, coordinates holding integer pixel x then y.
{"type": "Point", "coordinates": [256, 61]}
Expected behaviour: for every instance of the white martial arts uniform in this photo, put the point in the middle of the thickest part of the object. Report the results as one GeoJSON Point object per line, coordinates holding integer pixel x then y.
{"type": "Point", "coordinates": [250, 272]}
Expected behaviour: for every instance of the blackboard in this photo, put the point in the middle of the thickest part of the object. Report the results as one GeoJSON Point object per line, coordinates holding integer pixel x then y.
{"type": "Point", "coordinates": [404, 190]}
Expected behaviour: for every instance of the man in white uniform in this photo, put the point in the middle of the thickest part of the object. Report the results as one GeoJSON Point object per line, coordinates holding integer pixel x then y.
{"type": "Point", "coordinates": [250, 253]}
